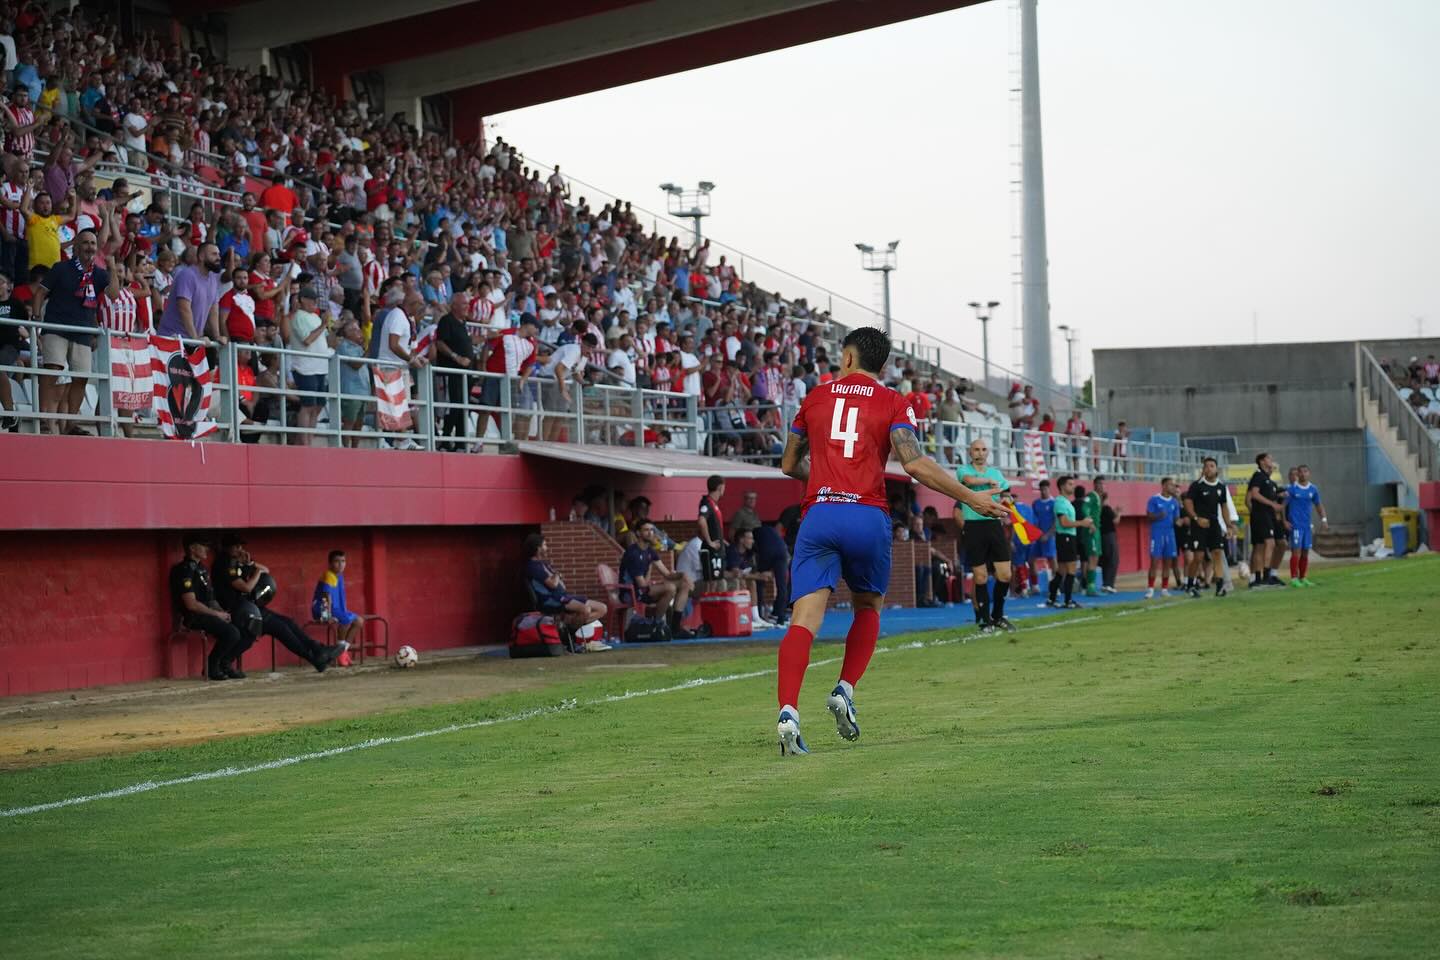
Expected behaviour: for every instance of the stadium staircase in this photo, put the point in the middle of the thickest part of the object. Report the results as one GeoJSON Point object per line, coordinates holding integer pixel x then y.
{"type": "Point", "coordinates": [1402, 435]}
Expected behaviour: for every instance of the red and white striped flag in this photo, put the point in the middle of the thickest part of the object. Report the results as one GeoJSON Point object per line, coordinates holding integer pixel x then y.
{"type": "Point", "coordinates": [425, 341]}
{"type": "Point", "coordinates": [392, 399]}
{"type": "Point", "coordinates": [132, 386]}
{"type": "Point", "coordinates": [183, 388]}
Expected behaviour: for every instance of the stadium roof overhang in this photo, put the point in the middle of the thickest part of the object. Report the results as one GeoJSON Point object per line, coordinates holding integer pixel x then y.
{"type": "Point", "coordinates": [648, 461]}
{"type": "Point", "coordinates": [492, 56]}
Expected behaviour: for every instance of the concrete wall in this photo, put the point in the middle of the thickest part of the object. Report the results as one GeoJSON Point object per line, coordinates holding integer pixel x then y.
{"type": "Point", "coordinates": [1295, 400]}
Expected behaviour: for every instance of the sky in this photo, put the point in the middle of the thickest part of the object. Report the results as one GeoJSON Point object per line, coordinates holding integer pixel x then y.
{"type": "Point", "coordinates": [1217, 171]}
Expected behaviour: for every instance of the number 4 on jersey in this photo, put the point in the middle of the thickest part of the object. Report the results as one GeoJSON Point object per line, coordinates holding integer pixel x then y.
{"type": "Point", "coordinates": [850, 434]}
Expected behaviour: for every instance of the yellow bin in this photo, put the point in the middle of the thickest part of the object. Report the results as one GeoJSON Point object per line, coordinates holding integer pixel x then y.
{"type": "Point", "coordinates": [1411, 519]}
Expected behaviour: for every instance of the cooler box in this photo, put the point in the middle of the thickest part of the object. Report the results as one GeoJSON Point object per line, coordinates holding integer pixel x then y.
{"type": "Point", "coordinates": [727, 614]}
{"type": "Point", "coordinates": [1399, 538]}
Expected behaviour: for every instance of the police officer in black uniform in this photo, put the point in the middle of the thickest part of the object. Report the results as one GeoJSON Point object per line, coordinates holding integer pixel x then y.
{"type": "Point", "coordinates": [196, 608]}
{"type": "Point", "coordinates": [237, 576]}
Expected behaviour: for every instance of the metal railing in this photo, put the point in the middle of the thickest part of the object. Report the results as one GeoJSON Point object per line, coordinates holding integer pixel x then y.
{"type": "Point", "coordinates": [1418, 438]}
{"type": "Point", "coordinates": [741, 431]}
{"type": "Point", "coordinates": [489, 418]}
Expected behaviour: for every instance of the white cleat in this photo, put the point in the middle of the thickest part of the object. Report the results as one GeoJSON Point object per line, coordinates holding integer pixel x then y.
{"type": "Point", "coordinates": [842, 708]}
{"type": "Point", "coordinates": [1150, 594]}
{"type": "Point", "coordinates": [791, 743]}
{"type": "Point", "coordinates": [1164, 592]}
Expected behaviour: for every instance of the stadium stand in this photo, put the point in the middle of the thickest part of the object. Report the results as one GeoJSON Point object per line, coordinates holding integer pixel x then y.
{"type": "Point", "coordinates": [168, 149]}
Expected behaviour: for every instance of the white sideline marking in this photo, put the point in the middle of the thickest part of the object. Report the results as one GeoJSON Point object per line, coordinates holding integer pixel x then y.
{"type": "Point", "coordinates": [225, 772]}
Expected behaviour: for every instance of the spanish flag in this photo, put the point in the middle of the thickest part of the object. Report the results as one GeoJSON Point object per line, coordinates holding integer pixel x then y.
{"type": "Point", "coordinates": [1024, 529]}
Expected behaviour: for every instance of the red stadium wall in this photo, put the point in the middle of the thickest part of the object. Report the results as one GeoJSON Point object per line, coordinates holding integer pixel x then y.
{"type": "Point", "coordinates": [89, 528]}
{"type": "Point", "coordinates": [93, 608]}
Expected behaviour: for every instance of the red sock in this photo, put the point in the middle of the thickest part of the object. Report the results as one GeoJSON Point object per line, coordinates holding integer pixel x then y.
{"type": "Point", "coordinates": [860, 645]}
{"type": "Point", "coordinates": [794, 658]}
{"type": "Point", "coordinates": [1151, 581]}
{"type": "Point", "coordinates": [1295, 566]}
{"type": "Point", "coordinates": [1304, 564]}
{"type": "Point", "coordinates": [1164, 580]}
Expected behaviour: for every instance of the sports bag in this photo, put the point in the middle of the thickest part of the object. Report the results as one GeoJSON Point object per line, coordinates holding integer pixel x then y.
{"type": "Point", "coordinates": [646, 630]}
{"type": "Point", "coordinates": [536, 635]}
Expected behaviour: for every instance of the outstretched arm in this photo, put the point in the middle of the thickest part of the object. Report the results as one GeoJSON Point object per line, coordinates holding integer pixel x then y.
{"type": "Point", "coordinates": [906, 446]}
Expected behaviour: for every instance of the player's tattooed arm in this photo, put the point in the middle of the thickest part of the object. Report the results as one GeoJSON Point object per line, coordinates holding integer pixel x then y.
{"type": "Point", "coordinates": [795, 461]}
{"type": "Point", "coordinates": [906, 447]}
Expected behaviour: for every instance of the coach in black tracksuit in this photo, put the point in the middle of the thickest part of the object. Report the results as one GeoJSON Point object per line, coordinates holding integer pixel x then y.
{"type": "Point", "coordinates": [197, 609]}
{"type": "Point", "coordinates": [235, 579]}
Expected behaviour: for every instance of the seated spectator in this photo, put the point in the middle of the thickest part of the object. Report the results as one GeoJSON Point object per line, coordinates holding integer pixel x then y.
{"type": "Point", "coordinates": [196, 609]}
{"type": "Point", "coordinates": [742, 564]}
{"type": "Point", "coordinates": [549, 589]}
{"type": "Point", "coordinates": [329, 603]}
{"type": "Point", "coordinates": [667, 591]}
{"type": "Point", "coordinates": [237, 576]}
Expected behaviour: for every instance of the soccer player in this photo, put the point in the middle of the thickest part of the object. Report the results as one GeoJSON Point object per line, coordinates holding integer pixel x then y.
{"type": "Point", "coordinates": [848, 427]}
{"type": "Point", "coordinates": [1206, 503]}
{"type": "Point", "coordinates": [1043, 552]}
{"type": "Point", "coordinates": [1067, 548]}
{"type": "Point", "coordinates": [1302, 502]}
{"type": "Point", "coordinates": [986, 539]}
{"type": "Point", "coordinates": [1162, 511]}
{"type": "Point", "coordinates": [1090, 550]}
{"type": "Point", "coordinates": [1023, 555]}
{"type": "Point", "coordinates": [1263, 498]}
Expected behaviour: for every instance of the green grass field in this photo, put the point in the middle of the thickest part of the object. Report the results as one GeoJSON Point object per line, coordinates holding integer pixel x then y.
{"type": "Point", "coordinates": [1250, 777]}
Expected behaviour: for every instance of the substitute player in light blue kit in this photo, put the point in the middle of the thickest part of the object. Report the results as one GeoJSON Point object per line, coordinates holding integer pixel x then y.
{"type": "Point", "coordinates": [1301, 504]}
{"type": "Point", "coordinates": [1162, 511]}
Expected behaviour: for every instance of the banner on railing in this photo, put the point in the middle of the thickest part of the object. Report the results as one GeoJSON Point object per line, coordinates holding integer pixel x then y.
{"type": "Point", "coordinates": [183, 387]}
{"type": "Point", "coordinates": [392, 399]}
{"type": "Point", "coordinates": [1035, 457]}
{"type": "Point", "coordinates": [132, 387]}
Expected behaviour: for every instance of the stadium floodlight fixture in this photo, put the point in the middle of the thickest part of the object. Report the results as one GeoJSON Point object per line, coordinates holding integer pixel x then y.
{"type": "Point", "coordinates": [691, 203]}
{"type": "Point", "coordinates": [881, 262]}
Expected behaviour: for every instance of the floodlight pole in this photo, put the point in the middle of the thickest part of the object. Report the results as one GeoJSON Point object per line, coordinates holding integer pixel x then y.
{"type": "Point", "coordinates": [982, 313]}
{"type": "Point", "coordinates": [693, 205]}
{"type": "Point", "coordinates": [883, 262]}
{"type": "Point", "coordinates": [1070, 334]}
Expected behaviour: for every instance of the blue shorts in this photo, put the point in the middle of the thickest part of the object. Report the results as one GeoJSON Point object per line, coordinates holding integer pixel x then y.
{"type": "Point", "coordinates": [1162, 543]}
{"type": "Point", "coordinates": [1043, 548]}
{"type": "Point", "coordinates": [1020, 553]}
{"type": "Point", "coordinates": [842, 539]}
{"type": "Point", "coordinates": [1302, 538]}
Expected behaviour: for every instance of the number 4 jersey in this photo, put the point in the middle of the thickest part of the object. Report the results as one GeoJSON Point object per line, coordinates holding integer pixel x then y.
{"type": "Point", "coordinates": [848, 424]}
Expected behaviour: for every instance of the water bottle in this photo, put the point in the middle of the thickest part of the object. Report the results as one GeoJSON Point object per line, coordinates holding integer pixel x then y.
{"type": "Point", "coordinates": [1042, 580]}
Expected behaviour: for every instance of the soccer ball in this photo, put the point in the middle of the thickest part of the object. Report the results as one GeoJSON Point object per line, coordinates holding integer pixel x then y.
{"type": "Point", "coordinates": [406, 657]}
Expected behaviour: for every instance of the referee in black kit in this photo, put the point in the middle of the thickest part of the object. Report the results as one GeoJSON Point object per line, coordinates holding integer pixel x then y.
{"type": "Point", "coordinates": [1267, 533]}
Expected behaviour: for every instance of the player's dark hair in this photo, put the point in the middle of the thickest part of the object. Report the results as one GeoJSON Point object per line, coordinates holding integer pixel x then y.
{"type": "Point", "coordinates": [335, 555]}
{"type": "Point", "coordinates": [1043, 484]}
{"type": "Point", "coordinates": [1079, 490]}
{"type": "Point", "coordinates": [532, 544]}
{"type": "Point", "coordinates": [1259, 457]}
{"type": "Point", "coordinates": [1302, 466]}
{"type": "Point", "coordinates": [1165, 480]}
{"type": "Point", "coordinates": [715, 482]}
{"type": "Point", "coordinates": [872, 348]}
{"type": "Point", "coordinates": [1209, 460]}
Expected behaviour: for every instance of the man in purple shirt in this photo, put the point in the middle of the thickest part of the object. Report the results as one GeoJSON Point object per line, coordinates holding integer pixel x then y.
{"type": "Point", "coordinates": [193, 309]}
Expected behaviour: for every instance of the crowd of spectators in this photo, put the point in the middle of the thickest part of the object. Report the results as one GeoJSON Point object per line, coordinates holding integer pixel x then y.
{"type": "Point", "coordinates": [1419, 384]}
{"type": "Point", "coordinates": [335, 200]}
{"type": "Point", "coordinates": [354, 233]}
